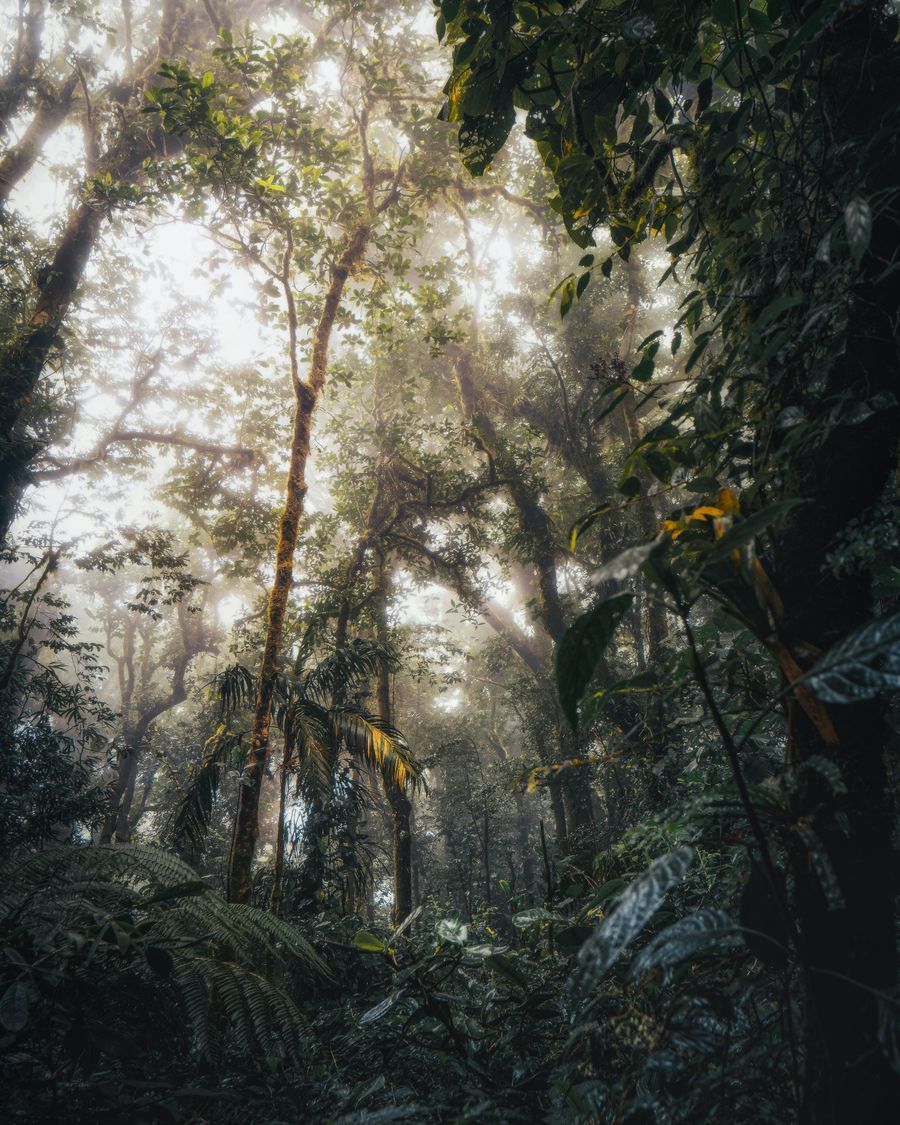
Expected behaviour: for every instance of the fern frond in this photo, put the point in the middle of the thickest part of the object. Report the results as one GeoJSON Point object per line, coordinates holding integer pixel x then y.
{"type": "Point", "coordinates": [217, 949]}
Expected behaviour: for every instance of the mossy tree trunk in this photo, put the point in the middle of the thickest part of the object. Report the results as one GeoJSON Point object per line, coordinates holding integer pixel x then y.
{"type": "Point", "coordinates": [307, 394]}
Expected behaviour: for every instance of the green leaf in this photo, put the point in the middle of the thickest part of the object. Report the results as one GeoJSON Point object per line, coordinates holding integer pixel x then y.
{"type": "Point", "coordinates": [858, 225]}
{"type": "Point", "coordinates": [581, 648]}
{"type": "Point", "coordinates": [606, 891]}
{"type": "Point", "coordinates": [14, 1007]}
{"type": "Point", "coordinates": [452, 930]}
{"type": "Point", "coordinates": [374, 1014]}
{"type": "Point", "coordinates": [503, 966]}
{"type": "Point", "coordinates": [625, 564]}
{"type": "Point", "coordinates": [369, 943]}
{"type": "Point", "coordinates": [633, 911]}
{"type": "Point", "coordinates": [405, 924]}
{"type": "Point", "coordinates": [775, 308]}
{"type": "Point", "coordinates": [683, 939]}
{"type": "Point", "coordinates": [861, 666]}
{"type": "Point", "coordinates": [534, 916]}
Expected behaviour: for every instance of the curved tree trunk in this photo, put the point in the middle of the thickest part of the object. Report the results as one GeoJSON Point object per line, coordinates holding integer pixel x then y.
{"type": "Point", "coordinates": [246, 827]}
{"type": "Point", "coordinates": [18, 160]}
{"type": "Point", "coordinates": [24, 357]}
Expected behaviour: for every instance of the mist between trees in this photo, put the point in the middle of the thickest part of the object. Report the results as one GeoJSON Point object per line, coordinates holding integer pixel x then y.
{"type": "Point", "coordinates": [451, 559]}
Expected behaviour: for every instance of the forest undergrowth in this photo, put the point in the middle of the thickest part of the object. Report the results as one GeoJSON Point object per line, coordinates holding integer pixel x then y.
{"type": "Point", "coordinates": [449, 630]}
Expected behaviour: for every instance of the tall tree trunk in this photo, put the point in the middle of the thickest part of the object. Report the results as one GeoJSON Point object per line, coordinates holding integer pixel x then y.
{"type": "Point", "coordinates": [849, 948]}
{"type": "Point", "coordinates": [246, 828]}
{"type": "Point", "coordinates": [278, 870]}
{"type": "Point", "coordinates": [15, 84]}
{"type": "Point", "coordinates": [655, 619]}
{"type": "Point", "coordinates": [24, 357]}
{"type": "Point", "coordinates": [19, 159]}
{"type": "Point", "coordinates": [401, 808]}
{"type": "Point", "coordinates": [537, 529]}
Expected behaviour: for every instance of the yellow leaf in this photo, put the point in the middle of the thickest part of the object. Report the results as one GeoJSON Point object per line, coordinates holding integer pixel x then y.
{"type": "Point", "coordinates": [727, 500]}
{"type": "Point", "coordinates": [674, 527]}
{"type": "Point", "coordinates": [704, 512]}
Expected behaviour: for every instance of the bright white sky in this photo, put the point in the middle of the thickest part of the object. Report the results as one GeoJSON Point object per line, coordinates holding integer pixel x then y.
{"type": "Point", "coordinates": [182, 251]}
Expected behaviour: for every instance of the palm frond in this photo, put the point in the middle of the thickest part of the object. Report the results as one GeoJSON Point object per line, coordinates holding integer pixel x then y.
{"type": "Point", "coordinates": [346, 667]}
{"type": "Point", "coordinates": [235, 687]}
{"type": "Point", "coordinates": [194, 814]}
{"type": "Point", "coordinates": [376, 742]}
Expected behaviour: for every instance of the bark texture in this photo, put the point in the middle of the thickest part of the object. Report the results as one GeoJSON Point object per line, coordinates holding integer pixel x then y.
{"type": "Point", "coordinates": [307, 394]}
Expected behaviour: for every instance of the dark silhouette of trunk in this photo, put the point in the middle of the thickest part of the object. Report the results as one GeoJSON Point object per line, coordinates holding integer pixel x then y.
{"type": "Point", "coordinates": [278, 869]}
{"type": "Point", "coordinates": [849, 950]}
{"type": "Point", "coordinates": [119, 824]}
{"type": "Point", "coordinates": [246, 826]}
{"type": "Point", "coordinates": [399, 803]}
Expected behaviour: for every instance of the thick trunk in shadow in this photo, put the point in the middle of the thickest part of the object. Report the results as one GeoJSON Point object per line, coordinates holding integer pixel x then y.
{"type": "Point", "coordinates": [23, 359]}
{"type": "Point", "coordinates": [246, 825]}
{"type": "Point", "coordinates": [849, 948]}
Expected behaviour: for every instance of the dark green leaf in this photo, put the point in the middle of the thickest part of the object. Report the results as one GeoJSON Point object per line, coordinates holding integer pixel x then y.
{"type": "Point", "coordinates": [14, 1007]}
{"type": "Point", "coordinates": [581, 648]}
{"type": "Point", "coordinates": [633, 911]}
{"type": "Point", "coordinates": [861, 666]}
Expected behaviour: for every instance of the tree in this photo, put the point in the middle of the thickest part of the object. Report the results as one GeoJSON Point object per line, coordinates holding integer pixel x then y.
{"type": "Point", "coordinates": [742, 125]}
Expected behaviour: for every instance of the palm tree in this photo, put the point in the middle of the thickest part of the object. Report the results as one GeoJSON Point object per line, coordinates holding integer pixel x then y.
{"type": "Point", "coordinates": [322, 734]}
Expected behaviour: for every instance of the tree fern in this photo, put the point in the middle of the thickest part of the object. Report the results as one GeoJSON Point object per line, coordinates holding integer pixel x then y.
{"type": "Point", "coordinates": [131, 913]}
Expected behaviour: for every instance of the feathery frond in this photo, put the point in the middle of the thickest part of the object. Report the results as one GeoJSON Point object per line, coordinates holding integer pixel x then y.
{"type": "Point", "coordinates": [139, 910]}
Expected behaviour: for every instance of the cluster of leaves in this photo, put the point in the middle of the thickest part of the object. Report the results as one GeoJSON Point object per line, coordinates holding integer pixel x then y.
{"type": "Point", "coordinates": [119, 960]}
{"type": "Point", "coordinates": [605, 1005]}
